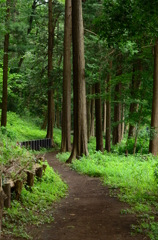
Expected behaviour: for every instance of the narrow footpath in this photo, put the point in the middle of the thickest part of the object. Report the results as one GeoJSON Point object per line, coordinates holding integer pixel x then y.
{"type": "Point", "coordinates": [87, 213]}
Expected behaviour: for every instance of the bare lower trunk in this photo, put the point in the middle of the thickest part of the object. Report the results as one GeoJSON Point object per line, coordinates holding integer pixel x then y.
{"type": "Point", "coordinates": [104, 118]}
{"type": "Point", "coordinates": [79, 89]}
{"type": "Point", "coordinates": [117, 105]}
{"type": "Point", "coordinates": [136, 82]}
{"type": "Point", "coordinates": [153, 147]}
{"type": "Point", "coordinates": [108, 112]}
{"type": "Point", "coordinates": [92, 112]}
{"type": "Point", "coordinates": [117, 116]}
{"type": "Point", "coordinates": [57, 112]}
{"type": "Point", "coordinates": [123, 123]}
{"type": "Point", "coordinates": [66, 110]}
{"type": "Point", "coordinates": [98, 116]}
{"type": "Point", "coordinates": [88, 119]}
{"type": "Point", "coordinates": [137, 130]}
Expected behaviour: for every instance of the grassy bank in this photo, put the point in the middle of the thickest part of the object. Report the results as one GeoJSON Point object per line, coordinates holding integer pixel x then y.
{"type": "Point", "coordinates": [132, 179]}
{"type": "Point", "coordinates": [33, 206]}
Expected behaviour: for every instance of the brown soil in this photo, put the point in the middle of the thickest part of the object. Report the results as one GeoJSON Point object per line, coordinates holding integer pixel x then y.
{"type": "Point", "coordinates": [87, 213]}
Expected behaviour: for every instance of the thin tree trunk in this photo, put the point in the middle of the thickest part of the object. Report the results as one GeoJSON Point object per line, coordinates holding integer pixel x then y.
{"type": "Point", "coordinates": [58, 117]}
{"type": "Point", "coordinates": [88, 119]}
{"type": "Point", "coordinates": [136, 82]}
{"type": "Point", "coordinates": [92, 112]}
{"type": "Point", "coordinates": [5, 71]}
{"type": "Point", "coordinates": [104, 118]}
{"type": "Point", "coordinates": [66, 110]}
{"type": "Point", "coordinates": [117, 106]}
{"type": "Point", "coordinates": [123, 123]}
{"type": "Point", "coordinates": [117, 115]}
{"type": "Point", "coordinates": [137, 130]}
{"type": "Point", "coordinates": [108, 112]}
{"type": "Point", "coordinates": [50, 79]}
{"type": "Point", "coordinates": [98, 116]}
{"type": "Point", "coordinates": [79, 89]}
{"type": "Point", "coordinates": [153, 147]}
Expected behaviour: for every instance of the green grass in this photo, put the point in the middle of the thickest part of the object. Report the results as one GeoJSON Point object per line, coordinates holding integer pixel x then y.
{"type": "Point", "coordinates": [24, 128]}
{"type": "Point", "coordinates": [134, 178]}
{"type": "Point", "coordinates": [34, 205]}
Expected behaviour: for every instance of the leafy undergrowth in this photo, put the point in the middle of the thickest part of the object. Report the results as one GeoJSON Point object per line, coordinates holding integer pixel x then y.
{"type": "Point", "coordinates": [21, 129]}
{"type": "Point", "coordinates": [24, 128]}
{"type": "Point", "coordinates": [133, 178]}
{"type": "Point", "coordinates": [33, 206]}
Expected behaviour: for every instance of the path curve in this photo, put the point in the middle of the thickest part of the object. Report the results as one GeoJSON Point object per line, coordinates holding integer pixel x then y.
{"type": "Point", "coordinates": [87, 213]}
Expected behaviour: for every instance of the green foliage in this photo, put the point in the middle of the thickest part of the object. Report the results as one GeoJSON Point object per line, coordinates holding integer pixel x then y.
{"type": "Point", "coordinates": [63, 156]}
{"type": "Point", "coordinates": [142, 144]}
{"type": "Point", "coordinates": [34, 205]}
{"type": "Point", "coordinates": [135, 176]}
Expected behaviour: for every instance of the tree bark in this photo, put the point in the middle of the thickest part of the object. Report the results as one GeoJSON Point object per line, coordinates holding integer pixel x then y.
{"type": "Point", "coordinates": [98, 116]}
{"type": "Point", "coordinates": [104, 117]}
{"type": "Point", "coordinates": [88, 119]}
{"type": "Point", "coordinates": [66, 109]}
{"type": "Point", "coordinates": [136, 82]}
{"type": "Point", "coordinates": [117, 107]}
{"type": "Point", "coordinates": [50, 79]}
{"type": "Point", "coordinates": [153, 147]}
{"type": "Point", "coordinates": [5, 71]}
{"type": "Point", "coordinates": [79, 89]}
{"type": "Point", "coordinates": [108, 112]}
{"type": "Point", "coordinates": [122, 121]}
{"type": "Point", "coordinates": [92, 112]}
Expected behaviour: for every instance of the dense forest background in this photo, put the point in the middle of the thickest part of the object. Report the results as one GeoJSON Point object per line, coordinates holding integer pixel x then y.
{"type": "Point", "coordinates": [120, 51]}
{"type": "Point", "coordinates": [86, 74]}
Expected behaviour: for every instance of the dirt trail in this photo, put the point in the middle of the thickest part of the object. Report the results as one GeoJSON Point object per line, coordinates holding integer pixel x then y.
{"type": "Point", "coordinates": [87, 213]}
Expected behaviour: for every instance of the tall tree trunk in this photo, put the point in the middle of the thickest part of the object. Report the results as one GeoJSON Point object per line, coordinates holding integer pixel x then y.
{"type": "Point", "coordinates": [50, 79]}
{"type": "Point", "coordinates": [108, 111]}
{"type": "Point", "coordinates": [104, 117]}
{"type": "Point", "coordinates": [153, 147]}
{"type": "Point", "coordinates": [79, 89]}
{"type": "Point", "coordinates": [57, 112]}
{"type": "Point", "coordinates": [98, 116]}
{"type": "Point", "coordinates": [117, 106]}
{"type": "Point", "coordinates": [92, 112]}
{"type": "Point", "coordinates": [136, 82]}
{"type": "Point", "coordinates": [122, 121]}
{"type": "Point", "coordinates": [88, 119]}
{"type": "Point", "coordinates": [66, 110]}
{"type": "Point", "coordinates": [117, 116]}
{"type": "Point", "coordinates": [5, 71]}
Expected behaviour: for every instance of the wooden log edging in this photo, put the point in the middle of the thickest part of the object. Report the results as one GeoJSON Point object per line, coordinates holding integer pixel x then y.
{"type": "Point", "coordinates": [37, 144]}
{"type": "Point", "coordinates": [17, 185]}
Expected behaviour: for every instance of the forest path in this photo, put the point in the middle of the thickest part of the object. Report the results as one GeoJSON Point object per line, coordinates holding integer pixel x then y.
{"type": "Point", "coordinates": [87, 213]}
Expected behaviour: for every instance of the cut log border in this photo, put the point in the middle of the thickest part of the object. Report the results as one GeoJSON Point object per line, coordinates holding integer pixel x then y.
{"type": "Point", "coordinates": [18, 184]}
